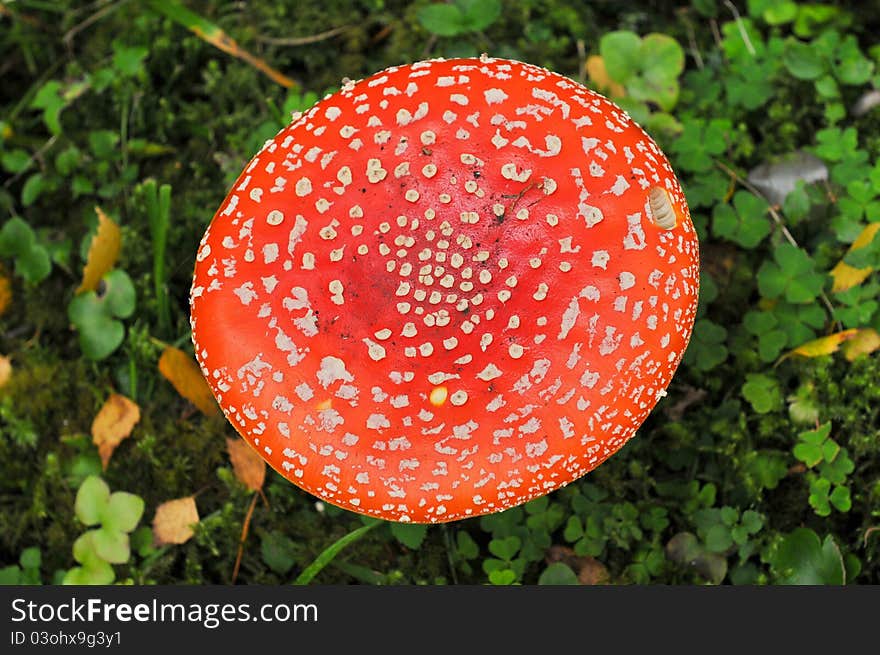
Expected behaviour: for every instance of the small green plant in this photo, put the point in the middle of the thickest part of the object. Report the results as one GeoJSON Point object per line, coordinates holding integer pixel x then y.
{"type": "Point", "coordinates": [96, 316]}
{"type": "Point", "coordinates": [158, 203]}
{"type": "Point", "coordinates": [829, 466]}
{"type": "Point", "coordinates": [18, 241]}
{"type": "Point", "coordinates": [26, 572]}
{"type": "Point", "coordinates": [116, 515]}
{"type": "Point", "coordinates": [802, 558]}
{"type": "Point", "coordinates": [459, 17]}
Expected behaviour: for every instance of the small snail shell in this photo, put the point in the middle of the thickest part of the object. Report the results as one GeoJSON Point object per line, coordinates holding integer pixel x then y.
{"type": "Point", "coordinates": [661, 209]}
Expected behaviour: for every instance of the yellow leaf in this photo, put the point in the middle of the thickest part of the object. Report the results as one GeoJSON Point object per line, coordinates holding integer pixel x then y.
{"type": "Point", "coordinates": [113, 423]}
{"type": "Point", "coordinates": [174, 521]}
{"type": "Point", "coordinates": [846, 276]}
{"type": "Point", "coordinates": [182, 371]}
{"type": "Point", "coordinates": [5, 292]}
{"type": "Point", "coordinates": [823, 345]}
{"type": "Point", "coordinates": [249, 467]}
{"type": "Point", "coordinates": [866, 341]}
{"type": "Point", "coordinates": [595, 66]}
{"type": "Point", "coordinates": [5, 370]}
{"type": "Point", "coordinates": [103, 252]}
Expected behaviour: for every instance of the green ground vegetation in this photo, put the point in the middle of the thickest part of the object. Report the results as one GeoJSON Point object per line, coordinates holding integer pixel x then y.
{"type": "Point", "coordinates": [760, 467]}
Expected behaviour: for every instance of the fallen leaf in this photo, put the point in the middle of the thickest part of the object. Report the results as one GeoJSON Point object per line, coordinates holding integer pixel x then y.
{"type": "Point", "coordinates": [113, 423]}
{"type": "Point", "coordinates": [213, 34]}
{"type": "Point", "coordinates": [5, 292]}
{"type": "Point", "coordinates": [5, 370]}
{"type": "Point", "coordinates": [775, 181]}
{"type": "Point", "coordinates": [866, 341]}
{"type": "Point", "coordinates": [249, 467]}
{"type": "Point", "coordinates": [589, 570]}
{"type": "Point", "coordinates": [103, 252]}
{"type": "Point", "coordinates": [184, 373]}
{"type": "Point", "coordinates": [846, 276]}
{"type": "Point", "coordinates": [597, 72]}
{"type": "Point", "coordinates": [822, 345]}
{"type": "Point", "coordinates": [174, 521]}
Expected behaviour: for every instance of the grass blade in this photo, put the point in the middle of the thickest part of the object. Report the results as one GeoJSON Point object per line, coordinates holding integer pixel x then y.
{"type": "Point", "coordinates": [208, 31]}
{"type": "Point", "coordinates": [330, 552]}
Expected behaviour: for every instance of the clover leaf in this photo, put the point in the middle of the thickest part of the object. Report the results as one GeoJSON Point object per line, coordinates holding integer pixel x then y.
{"type": "Point", "coordinates": [95, 315]}
{"type": "Point", "coordinates": [745, 223]}
{"type": "Point", "coordinates": [802, 559]}
{"type": "Point", "coordinates": [648, 67]}
{"type": "Point", "coordinates": [17, 240]}
{"type": "Point", "coordinates": [792, 276]}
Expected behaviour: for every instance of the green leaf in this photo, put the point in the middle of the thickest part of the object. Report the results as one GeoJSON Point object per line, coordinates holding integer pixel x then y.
{"type": "Point", "coordinates": [718, 538]}
{"type": "Point", "coordinates": [15, 161]}
{"type": "Point", "coordinates": [111, 545]}
{"type": "Point", "coordinates": [808, 454]}
{"type": "Point", "coordinates": [10, 575]}
{"type": "Point", "coordinates": [746, 223]}
{"type": "Point", "coordinates": [128, 60]}
{"type": "Point", "coordinates": [558, 573]}
{"type": "Point", "coordinates": [706, 349]}
{"type": "Point", "coordinates": [621, 52]}
{"type": "Point", "coordinates": [502, 577]}
{"type": "Point", "coordinates": [442, 19]}
{"type": "Point", "coordinates": [505, 549]}
{"type": "Point", "coordinates": [329, 553]}
{"type": "Point", "coordinates": [102, 143]}
{"type": "Point", "coordinates": [802, 60]}
{"type": "Point", "coordinates": [791, 276]}
{"type": "Point", "coordinates": [817, 436]}
{"type": "Point", "coordinates": [30, 558]}
{"type": "Point", "coordinates": [802, 559]}
{"type": "Point", "coordinates": [18, 240]}
{"type": "Point", "coordinates": [410, 535]}
{"type": "Point", "coordinates": [841, 499]}
{"type": "Point", "coordinates": [95, 316]}
{"type": "Point", "coordinates": [32, 189]}
{"type": "Point", "coordinates": [92, 500]}
{"type": "Point", "coordinates": [51, 101]}
{"type": "Point", "coordinates": [479, 14]}
{"type": "Point", "coordinates": [762, 392]}
{"type": "Point", "coordinates": [277, 551]}
{"type": "Point", "coordinates": [123, 512]}
{"type": "Point", "coordinates": [466, 546]}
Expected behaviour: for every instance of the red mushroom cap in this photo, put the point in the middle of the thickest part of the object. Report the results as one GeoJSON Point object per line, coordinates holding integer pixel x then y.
{"type": "Point", "coordinates": [447, 289]}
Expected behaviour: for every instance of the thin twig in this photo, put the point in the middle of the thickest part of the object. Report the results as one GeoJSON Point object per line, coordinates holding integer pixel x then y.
{"type": "Point", "coordinates": [244, 533]}
{"type": "Point", "coordinates": [739, 24]}
{"type": "Point", "coordinates": [94, 18]}
{"type": "Point", "coordinates": [582, 61]}
{"type": "Point", "coordinates": [303, 40]}
{"type": "Point", "coordinates": [715, 33]}
{"type": "Point", "coordinates": [780, 223]}
{"type": "Point", "coordinates": [692, 42]}
{"type": "Point", "coordinates": [37, 156]}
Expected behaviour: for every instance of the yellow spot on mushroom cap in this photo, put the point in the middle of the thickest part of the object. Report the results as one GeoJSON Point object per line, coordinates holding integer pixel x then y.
{"type": "Point", "coordinates": [438, 396]}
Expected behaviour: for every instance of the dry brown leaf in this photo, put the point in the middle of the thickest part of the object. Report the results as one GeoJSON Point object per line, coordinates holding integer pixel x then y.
{"type": "Point", "coordinates": [823, 345]}
{"type": "Point", "coordinates": [846, 276]}
{"type": "Point", "coordinates": [103, 252]}
{"type": "Point", "coordinates": [113, 423]}
{"type": "Point", "coordinates": [174, 521]}
{"type": "Point", "coordinates": [5, 370]}
{"type": "Point", "coordinates": [184, 373]}
{"type": "Point", "coordinates": [5, 292]}
{"type": "Point", "coordinates": [249, 467]}
{"type": "Point", "coordinates": [597, 72]}
{"type": "Point", "coordinates": [866, 341]}
{"type": "Point", "coordinates": [589, 570]}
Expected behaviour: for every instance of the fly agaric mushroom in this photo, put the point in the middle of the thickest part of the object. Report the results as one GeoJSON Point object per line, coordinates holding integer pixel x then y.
{"type": "Point", "coordinates": [447, 289]}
